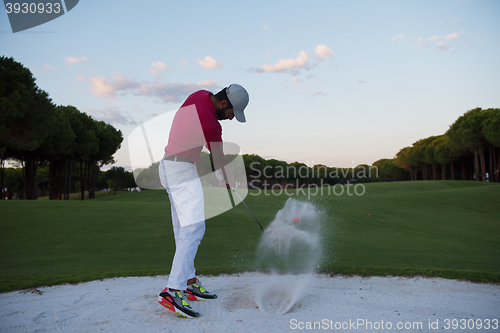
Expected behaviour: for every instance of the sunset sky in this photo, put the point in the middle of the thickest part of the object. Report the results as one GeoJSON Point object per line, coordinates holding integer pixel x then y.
{"type": "Point", "coordinates": [339, 83]}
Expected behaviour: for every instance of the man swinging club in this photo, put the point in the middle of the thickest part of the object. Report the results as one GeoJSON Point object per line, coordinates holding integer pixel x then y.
{"type": "Point", "coordinates": [196, 124]}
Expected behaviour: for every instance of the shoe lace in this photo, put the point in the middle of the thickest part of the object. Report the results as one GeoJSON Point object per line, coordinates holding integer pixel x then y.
{"type": "Point", "coordinates": [183, 299]}
{"type": "Point", "coordinates": [198, 285]}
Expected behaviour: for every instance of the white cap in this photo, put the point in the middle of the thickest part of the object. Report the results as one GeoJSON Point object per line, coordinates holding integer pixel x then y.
{"type": "Point", "coordinates": [238, 97]}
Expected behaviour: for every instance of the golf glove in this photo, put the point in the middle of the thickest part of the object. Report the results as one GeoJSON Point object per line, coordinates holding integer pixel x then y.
{"type": "Point", "coordinates": [219, 175]}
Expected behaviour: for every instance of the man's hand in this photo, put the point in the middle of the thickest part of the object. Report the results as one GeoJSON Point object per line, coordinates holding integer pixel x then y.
{"type": "Point", "coordinates": [220, 164]}
{"type": "Point", "coordinates": [227, 177]}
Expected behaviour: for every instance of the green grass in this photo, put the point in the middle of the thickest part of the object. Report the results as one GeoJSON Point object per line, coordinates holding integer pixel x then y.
{"type": "Point", "coordinates": [438, 228]}
{"type": "Point", "coordinates": [447, 229]}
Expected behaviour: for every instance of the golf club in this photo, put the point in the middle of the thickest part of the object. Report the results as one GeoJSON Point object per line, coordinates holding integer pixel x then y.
{"type": "Point", "coordinates": [232, 189]}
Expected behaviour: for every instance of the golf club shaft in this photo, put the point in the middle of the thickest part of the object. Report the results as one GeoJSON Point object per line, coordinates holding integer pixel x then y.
{"type": "Point", "coordinates": [232, 189]}
{"type": "Point", "coordinates": [247, 208]}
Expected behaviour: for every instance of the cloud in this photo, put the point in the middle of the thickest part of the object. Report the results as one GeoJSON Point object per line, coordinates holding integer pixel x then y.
{"type": "Point", "coordinates": [104, 87]}
{"type": "Point", "coordinates": [111, 115]}
{"type": "Point", "coordinates": [49, 68]}
{"type": "Point", "coordinates": [158, 68]}
{"type": "Point", "coordinates": [210, 63]}
{"type": "Point", "coordinates": [266, 27]}
{"type": "Point", "coordinates": [295, 65]}
{"type": "Point", "coordinates": [323, 51]}
{"type": "Point", "coordinates": [440, 45]}
{"type": "Point", "coordinates": [119, 85]}
{"type": "Point", "coordinates": [443, 46]}
{"type": "Point", "coordinates": [456, 35]}
{"type": "Point", "coordinates": [318, 93]}
{"type": "Point", "coordinates": [287, 64]}
{"type": "Point", "coordinates": [398, 37]}
{"type": "Point", "coordinates": [184, 64]}
{"type": "Point", "coordinates": [295, 80]}
{"type": "Point", "coordinates": [70, 60]}
{"type": "Point", "coordinates": [419, 41]}
{"type": "Point", "coordinates": [173, 92]}
{"type": "Point", "coordinates": [360, 81]}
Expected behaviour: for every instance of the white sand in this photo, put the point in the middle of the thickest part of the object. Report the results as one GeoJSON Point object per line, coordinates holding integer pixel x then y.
{"type": "Point", "coordinates": [129, 305]}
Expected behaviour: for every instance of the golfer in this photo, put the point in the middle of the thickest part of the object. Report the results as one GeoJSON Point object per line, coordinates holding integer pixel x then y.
{"type": "Point", "coordinates": [196, 124]}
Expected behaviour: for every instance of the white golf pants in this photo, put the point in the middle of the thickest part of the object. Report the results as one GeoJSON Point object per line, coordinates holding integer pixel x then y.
{"type": "Point", "coordinates": [185, 192]}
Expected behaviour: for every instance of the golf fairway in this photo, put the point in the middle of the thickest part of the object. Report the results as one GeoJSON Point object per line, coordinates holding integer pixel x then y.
{"type": "Point", "coordinates": [435, 228]}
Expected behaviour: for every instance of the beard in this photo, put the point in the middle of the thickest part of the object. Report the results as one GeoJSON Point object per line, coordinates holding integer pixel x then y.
{"type": "Point", "coordinates": [221, 114]}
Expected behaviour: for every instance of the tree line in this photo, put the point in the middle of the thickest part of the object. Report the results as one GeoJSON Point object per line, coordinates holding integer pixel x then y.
{"type": "Point", "coordinates": [35, 132]}
{"type": "Point", "coordinates": [115, 178]}
{"type": "Point", "coordinates": [469, 150]}
{"type": "Point", "coordinates": [267, 174]}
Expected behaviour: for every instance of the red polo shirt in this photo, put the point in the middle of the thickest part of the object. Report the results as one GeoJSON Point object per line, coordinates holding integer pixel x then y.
{"type": "Point", "coordinates": [195, 125]}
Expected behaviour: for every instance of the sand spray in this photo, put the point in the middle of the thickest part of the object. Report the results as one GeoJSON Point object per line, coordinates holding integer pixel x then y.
{"type": "Point", "coordinates": [288, 251]}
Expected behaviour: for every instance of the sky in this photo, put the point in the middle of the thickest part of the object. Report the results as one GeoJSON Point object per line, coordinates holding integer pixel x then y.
{"type": "Point", "coordinates": [339, 83]}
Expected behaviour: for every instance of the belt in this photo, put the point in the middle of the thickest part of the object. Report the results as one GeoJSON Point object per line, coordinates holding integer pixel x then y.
{"type": "Point", "coordinates": [177, 159]}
